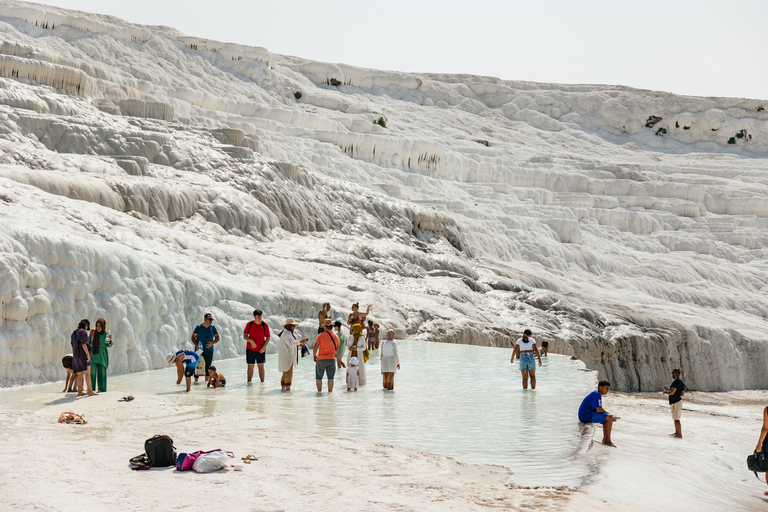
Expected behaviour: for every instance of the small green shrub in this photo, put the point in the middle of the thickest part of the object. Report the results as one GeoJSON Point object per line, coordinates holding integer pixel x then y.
{"type": "Point", "coordinates": [661, 132]}
{"type": "Point", "coordinates": [732, 140]}
{"type": "Point", "coordinates": [381, 122]}
{"type": "Point", "coordinates": [297, 95]}
{"type": "Point", "coordinates": [760, 108]}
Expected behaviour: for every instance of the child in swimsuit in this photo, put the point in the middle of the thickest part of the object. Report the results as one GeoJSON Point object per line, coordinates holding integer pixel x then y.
{"type": "Point", "coordinates": [216, 379]}
{"type": "Point", "coordinates": [376, 336]}
{"type": "Point", "coordinates": [371, 335]}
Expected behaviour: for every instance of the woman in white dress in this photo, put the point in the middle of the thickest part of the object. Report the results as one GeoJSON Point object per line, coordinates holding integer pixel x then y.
{"type": "Point", "coordinates": [287, 352]}
{"type": "Point", "coordinates": [390, 361]}
{"type": "Point", "coordinates": [356, 348]}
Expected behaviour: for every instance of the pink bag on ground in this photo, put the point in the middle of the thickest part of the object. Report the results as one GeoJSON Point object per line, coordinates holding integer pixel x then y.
{"type": "Point", "coordinates": [185, 461]}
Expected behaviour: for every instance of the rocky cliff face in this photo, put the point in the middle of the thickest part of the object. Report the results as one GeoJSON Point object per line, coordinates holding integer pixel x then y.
{"type": "Point", "coordinates": [147, 177]}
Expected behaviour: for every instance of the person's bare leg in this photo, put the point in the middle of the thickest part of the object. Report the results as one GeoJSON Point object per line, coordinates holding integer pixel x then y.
{"type": "Point", "coordinates": [678, 430]}
{"type": "Point", "coordinates": [330, 385]}
{"type": "Point", "coordinates": [261, 372]}
{"type": "Point", "coordinates": [79, 379]}
{"type": "Point", "coordinates": [67, 384]}
{"type": "Point", "coordinates": [607, 431]}
{"type": "Point", "coordinates": [392, 382]}
{"type": "Point", "coordinates": [319, 385]}
{"type": "Point", "coordinates": [250, 372]}
{"type": "Point", "coordinates": [525, 378]}
{"type": "Point", "coordinates": [532, 373]}
{"type": "Point", "coordinates": [384, 380]}
{"type": "Point", "coordinates": [189, 383]}
{"type": "Point", "coordinates": [87, 377]}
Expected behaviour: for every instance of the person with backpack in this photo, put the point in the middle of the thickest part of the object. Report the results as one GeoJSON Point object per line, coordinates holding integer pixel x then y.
{"type": "Point", "coordinates": [257, 336]}
{"type": "Point", "coordinates": [526, 350]}
{"type": "Point", "coordinates": [324, 353]}
{"type": "Point", "coordinates": [204, 337]}
{"type": "Point", "coordinates": [762, 441]}
{"type": "Point", "coordinates": [186, 361]}
{"type": "Point", "coordinates": [101, 339]}
{"type": "Point", "coordinates": [287, 353]}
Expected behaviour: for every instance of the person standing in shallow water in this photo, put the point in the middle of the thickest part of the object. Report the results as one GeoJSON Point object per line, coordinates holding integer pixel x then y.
{"type": "Point", "coordinates": [676, 391]}
{"type": "Point", "coordinates": [204, 338]}
{"type": "Point", "coordinates": [390, 361]}
{"type": "Point", "coordinates": [324, 354]}
{"type": "Point", "coordinates": [256, 335]}
{"type": "Point", "coordinates": [526, 350]}
{"type": "Point", "coordinates": [287, 352]}
{"type": "Point", "coordinates": [81, 357]}
{"type": "Point", "coordinates": [101, 340]}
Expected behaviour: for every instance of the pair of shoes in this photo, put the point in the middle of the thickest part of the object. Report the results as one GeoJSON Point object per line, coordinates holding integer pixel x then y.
{"type": "Point", "coordinates": [249, 458]}
{"type": "Point", "coordinates": [126, 398]}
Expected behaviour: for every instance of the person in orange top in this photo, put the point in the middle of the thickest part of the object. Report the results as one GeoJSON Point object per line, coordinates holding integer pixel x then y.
{"type": "Point", "coordinates": [324, 353]}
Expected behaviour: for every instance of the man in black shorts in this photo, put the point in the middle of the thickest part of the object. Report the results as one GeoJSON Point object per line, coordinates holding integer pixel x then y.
{"type": "Point", "coordinates": [256, 335]}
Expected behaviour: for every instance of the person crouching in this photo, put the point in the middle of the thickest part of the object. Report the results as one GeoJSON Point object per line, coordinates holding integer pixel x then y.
{"type": "Point", "coordinates": [186, 361]}
{"type": "Point", "coordinates": [215, 379]}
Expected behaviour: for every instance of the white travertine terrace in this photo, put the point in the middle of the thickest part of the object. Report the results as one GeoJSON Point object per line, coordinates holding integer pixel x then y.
{"type": "Point", "coordinates": [147, 177]}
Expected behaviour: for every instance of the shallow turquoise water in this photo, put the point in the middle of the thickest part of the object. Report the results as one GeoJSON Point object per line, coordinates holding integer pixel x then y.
{"type": "Point", "coordinates": [461, 401]}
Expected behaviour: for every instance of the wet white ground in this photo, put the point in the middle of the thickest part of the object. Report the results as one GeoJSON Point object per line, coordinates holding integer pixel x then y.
{"type": "Point", "coordinates": [461, 401]}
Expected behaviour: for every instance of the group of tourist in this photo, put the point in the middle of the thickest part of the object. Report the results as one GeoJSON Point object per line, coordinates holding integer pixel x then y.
{"type": "Point", "coordinates": [591, 408]}
{"type": "Point", "coordinates": [328, 351]}
{"type": "Point", "coordinates": [89, 359]}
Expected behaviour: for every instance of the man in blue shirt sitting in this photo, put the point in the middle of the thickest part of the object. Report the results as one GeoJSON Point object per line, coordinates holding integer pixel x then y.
{"type": "Point", "coordinates": [204, 338]}
{"type": "Point", "coordinates": [591, 411]}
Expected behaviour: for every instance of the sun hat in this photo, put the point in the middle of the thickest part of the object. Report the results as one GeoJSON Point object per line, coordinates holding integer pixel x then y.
{"type": "Point", "coordinates": [170, 357]}
{"type": "Point", "coordinates": [290, 321]}
{"type": "Point", "coordinates": [328, 322]}
{"type": "Point", "coordinates": [353, 360]}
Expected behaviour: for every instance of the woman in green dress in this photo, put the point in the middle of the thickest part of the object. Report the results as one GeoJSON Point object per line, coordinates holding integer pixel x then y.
{"type": "Point", "coordinates": [100, 341]}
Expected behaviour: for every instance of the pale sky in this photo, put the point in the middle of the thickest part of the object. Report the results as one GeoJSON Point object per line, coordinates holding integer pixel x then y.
{"type": "Point", "coordinates": [693, 47]}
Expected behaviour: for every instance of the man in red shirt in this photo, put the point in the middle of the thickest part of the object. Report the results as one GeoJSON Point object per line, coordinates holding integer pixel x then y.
{"type": "Point", "coordinates": [256, 335]}
{"type": "Point", "coordinates": [324, 353]}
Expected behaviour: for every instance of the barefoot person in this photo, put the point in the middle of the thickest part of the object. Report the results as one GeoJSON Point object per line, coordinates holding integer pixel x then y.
{"type": "Point", "coordinates": [185, 361]}
{"type": "Point", "coordinates": [390, 361]}
{"type": "Point", "coordinates": [287, 352]}
{"type": "Point", "coordinates": [526, 350]}
{"type": "Point", "coordinates": [591, 411]}
{"type": "Point", "coordinates": [81, 357]}
{"type": "Point", "coordinates": [69, 385]}
{"type": "Point", "coordinates": [256, 336]}
{"type": "Point", "coordinates": [204, 338]}
{"type": "Point", "coordinates": [676, 392]}
{"type": "Point", "coordinates": [342, 344]}
{"type": "Point", "coordinates": [216, 380]}
{"type": "Point", "coordinates": [762, 441]}
{"type": "Point", "coordinates": [324, 353]}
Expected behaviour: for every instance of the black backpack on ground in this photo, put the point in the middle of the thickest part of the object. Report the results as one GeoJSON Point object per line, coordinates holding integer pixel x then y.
{"type": "Point", "coordinates": [158, 453]}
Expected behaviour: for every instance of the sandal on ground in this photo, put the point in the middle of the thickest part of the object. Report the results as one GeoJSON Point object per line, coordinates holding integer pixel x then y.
{"type": "Point", "coordinates": [249, 458]}
{"type": "Point", "coordinates": [126, 398]}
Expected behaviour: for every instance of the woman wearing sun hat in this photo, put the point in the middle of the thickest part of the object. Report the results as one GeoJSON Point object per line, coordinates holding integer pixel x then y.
{"type": "Point", "coordinates": [287, 353]}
